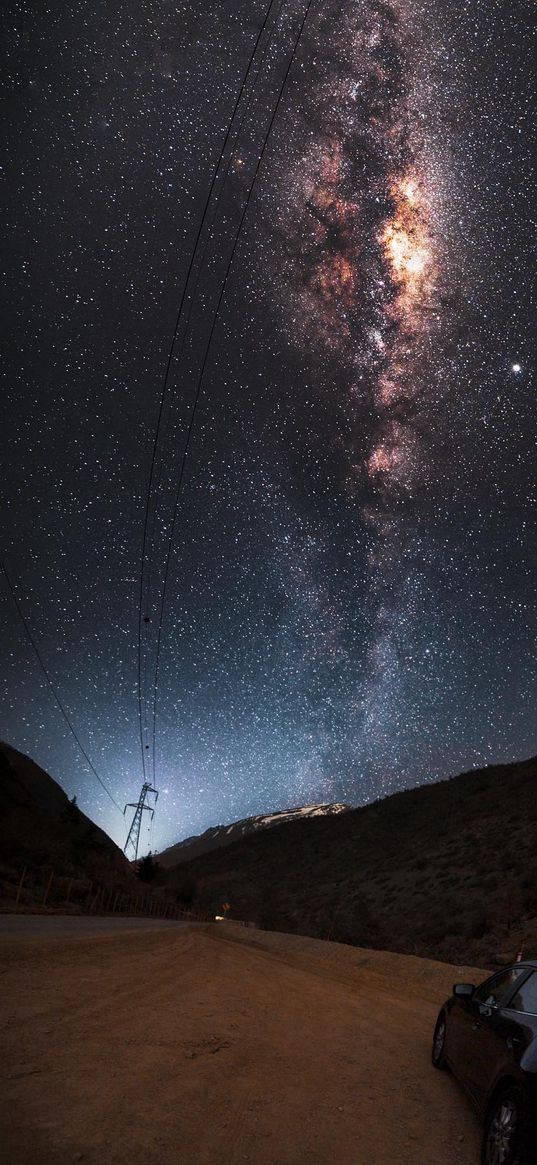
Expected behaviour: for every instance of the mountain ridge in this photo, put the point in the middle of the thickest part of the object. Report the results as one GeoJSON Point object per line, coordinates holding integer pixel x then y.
{"type": "Point", "coordinates": [218, 836]}
{"type": "Point", "coordinates": [447, 870]}
{"type": "Point", "coordinates": [40, 828]}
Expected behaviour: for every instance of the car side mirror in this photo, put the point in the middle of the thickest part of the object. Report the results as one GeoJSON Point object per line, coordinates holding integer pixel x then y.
{"type": "Point", "coordinates": [463, 990]}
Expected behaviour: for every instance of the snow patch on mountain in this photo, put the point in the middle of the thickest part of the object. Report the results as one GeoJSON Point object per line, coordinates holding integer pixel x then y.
{"type": "Point", "coordinates": [219, 835]}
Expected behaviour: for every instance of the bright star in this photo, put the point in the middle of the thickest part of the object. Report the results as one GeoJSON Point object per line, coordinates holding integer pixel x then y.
{"type": "Point", "coordinates": [516, 368]}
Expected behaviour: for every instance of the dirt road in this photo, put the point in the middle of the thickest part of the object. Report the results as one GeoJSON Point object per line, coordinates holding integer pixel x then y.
{"type": "Point", "coordinates": [195, 1047]}
{"type": "Point", "coordinates": [47, 926]}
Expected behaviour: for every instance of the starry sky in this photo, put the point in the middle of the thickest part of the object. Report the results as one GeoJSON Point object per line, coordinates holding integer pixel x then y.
{"type": "Point", "coordinates": [269, 363]}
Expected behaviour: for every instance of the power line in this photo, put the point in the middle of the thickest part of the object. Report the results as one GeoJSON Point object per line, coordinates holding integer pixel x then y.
{"type": "Point", "coordinates": [209, 236]}
{"type": "Point", "coordinates": [204, 364]}
{"type": "Point", "coordinates": [167, 373]}
{"type": "Point", "coordinates": [51, 685]}
{"type": "Point", "coordinates": [248, 106]}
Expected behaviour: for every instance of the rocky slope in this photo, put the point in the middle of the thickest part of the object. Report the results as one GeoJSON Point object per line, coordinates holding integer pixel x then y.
{"type": "Point", "coordinates": [447, 870]}
{"type": "Point", "coordinates": [42, 830]}
{"type": "Point", "coordinates": [221, 835]}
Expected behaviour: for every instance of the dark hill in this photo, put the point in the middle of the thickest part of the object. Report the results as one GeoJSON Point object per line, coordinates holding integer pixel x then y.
{"type": "Point", "coordinates": [40, 827]}
{"type": "Point", "coordinates": [220, 835]}
{"type": "Point", "coordinates": [446, 870]}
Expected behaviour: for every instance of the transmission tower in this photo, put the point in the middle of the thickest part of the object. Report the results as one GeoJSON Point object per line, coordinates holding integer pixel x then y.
{"type": "Point", "coordinates": [139, 807]}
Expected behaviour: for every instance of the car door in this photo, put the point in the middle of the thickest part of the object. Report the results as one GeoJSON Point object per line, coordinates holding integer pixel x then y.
{"type": "Point", "coordinates": [461, 1031]}
{"type": "Point", "coordinates": [495, 1034]}
{"type": "Point", "coordinates": [520, 1016]}
{"type": "Point", "coordinates": [459, 1038]}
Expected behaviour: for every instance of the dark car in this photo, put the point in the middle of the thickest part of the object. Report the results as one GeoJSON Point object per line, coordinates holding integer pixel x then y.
{"type": "Point", "coordinates": [487, 1035]}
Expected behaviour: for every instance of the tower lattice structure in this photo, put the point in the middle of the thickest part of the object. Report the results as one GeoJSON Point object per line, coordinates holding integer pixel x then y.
{"type": "Point", "coordinates": [140, 807]}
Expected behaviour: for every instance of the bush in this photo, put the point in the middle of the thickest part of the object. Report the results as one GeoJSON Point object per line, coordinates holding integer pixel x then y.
{"type": "Point", "coordinates": [147, 869]}
{"type": "Point", "coordinates": [475, 925]}
{"type": "Point", "coordinates": [182, 886]}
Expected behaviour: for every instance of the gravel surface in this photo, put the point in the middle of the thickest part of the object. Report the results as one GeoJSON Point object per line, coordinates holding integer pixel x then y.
{"type": "Point", "coordinates": [216, 1046]}
{"type": "Point", "coordinates": [45, 926]}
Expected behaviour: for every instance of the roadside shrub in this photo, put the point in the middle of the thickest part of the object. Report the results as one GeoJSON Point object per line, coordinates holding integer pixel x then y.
{"type": "Point", "coordinates": [182, 885]}
{"type": "Point", "coordinates": [475, 925]}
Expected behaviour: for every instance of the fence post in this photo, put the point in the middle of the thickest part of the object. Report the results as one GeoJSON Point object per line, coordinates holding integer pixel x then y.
{"type": "Point", "coordinates": [69, 888]}
{"type": "Point", "coordinates": [88, 899]}
{"type": "Point", "coordinates": [49, 884]}
{"type": "Point", "coordinates": [19, 888]}
{"type": "Point", "coordinates": [115, 901]}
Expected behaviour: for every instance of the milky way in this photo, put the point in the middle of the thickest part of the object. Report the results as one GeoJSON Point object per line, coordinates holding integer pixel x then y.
{"type": "Point", "coordinates": [350, 605]}
{"type": "Point", "coordinates": [368, 204]}
{"type": "Point", "coordinates": [378, 256]}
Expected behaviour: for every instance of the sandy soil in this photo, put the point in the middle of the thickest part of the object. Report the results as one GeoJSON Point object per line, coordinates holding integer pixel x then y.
{"type": "Point", "coordinates": [222, 1046]}
{"type": "Point", "coordinates": [53, 926]}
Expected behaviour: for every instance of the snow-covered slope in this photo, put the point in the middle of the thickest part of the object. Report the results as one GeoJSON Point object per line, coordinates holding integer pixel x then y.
{"type": "Point", "coordinates": [219, 835]}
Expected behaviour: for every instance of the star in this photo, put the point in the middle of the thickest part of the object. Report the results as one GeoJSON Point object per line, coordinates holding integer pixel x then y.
{"type": "Point", "coordinates": [348, 589]}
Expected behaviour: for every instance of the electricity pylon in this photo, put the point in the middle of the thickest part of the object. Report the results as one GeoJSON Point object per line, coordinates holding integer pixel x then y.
{"type": "Point", "coordinates": [139, 807]}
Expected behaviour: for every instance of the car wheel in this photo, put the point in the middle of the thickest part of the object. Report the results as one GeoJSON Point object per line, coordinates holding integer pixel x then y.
{"type": "Point", "coordinates": [439, 1041]}
{"type": "Point", "coordinates": [503, 1134]}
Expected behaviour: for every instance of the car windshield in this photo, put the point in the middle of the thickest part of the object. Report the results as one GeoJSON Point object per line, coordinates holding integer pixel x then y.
{"type": "Point", "coordinates": [525, 999]}
{"type": "Point", "coordinates": [494, 990]}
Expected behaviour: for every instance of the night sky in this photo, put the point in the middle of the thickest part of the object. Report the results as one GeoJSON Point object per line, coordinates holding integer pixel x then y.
{"type": "Point", "coordinates": [349, 605]}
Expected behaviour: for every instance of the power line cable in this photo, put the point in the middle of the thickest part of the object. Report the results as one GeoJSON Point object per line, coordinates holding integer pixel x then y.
{"type": "Point", "coordinates": [51, 686]}
{"type": "Point", "coordinates": [248, 107]}
{"type": "Point", "coordinates": [167, 373]}
{"type": "Point", "coordinates": [204, 363]}
{"type": "Point", "coordinates": [209, 236]}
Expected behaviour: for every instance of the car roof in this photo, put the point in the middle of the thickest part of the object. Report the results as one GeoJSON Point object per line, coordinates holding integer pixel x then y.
{"type": "Point", "coordinates": [523, 965]}
{"type": "Point", "coordinates": [529, 964]}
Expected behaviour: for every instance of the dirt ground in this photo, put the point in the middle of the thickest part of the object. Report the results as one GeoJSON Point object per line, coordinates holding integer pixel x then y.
{"type": "Point", "coordinates": [218, 1046]}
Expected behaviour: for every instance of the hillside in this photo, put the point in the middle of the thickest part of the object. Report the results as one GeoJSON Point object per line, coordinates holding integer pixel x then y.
{"type": "Point", "coordinates": [447, 871]}
{"type": "Point", "coordinates": [42, 830]}
{"type": "Point", "coordinates": [220, 835]}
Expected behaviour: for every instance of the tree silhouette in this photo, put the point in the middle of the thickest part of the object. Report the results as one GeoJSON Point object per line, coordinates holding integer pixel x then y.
{"type": "Point", "coordinates": [147, 869]}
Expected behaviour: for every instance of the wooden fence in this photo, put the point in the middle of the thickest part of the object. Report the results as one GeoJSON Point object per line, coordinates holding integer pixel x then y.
{"type": "Point", "coordinates": [56, 893]}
